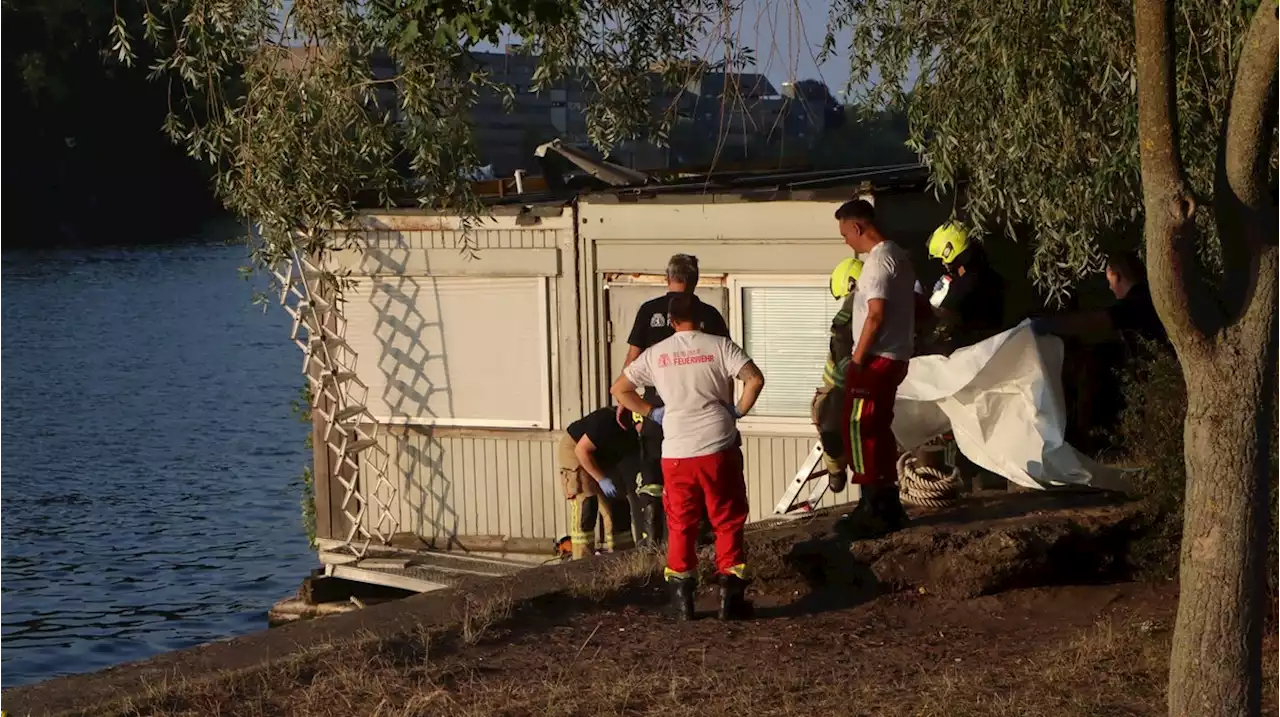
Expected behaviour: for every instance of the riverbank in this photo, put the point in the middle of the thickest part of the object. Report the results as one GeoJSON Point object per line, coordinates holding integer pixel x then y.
{"type": "Point", "coordinates": [964, 613]}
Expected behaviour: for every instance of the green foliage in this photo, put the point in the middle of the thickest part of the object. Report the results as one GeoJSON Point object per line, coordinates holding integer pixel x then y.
{"type": "Point", "coordinates": [1034, 103]}
{"type": "Point", "coordinates": [1151, 431]}
{"type": "Point", "coordinates": [344, 101]}
{"type": "Point", "coordinates": [301, 409]}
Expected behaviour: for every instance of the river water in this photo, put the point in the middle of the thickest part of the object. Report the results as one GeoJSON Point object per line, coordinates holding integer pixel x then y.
{"type": "Point", "coordinates": [150, 462]}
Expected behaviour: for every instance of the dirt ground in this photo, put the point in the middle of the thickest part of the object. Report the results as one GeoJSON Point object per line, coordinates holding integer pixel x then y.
{"type": "Point", "coordinates": [961, 615]}
{"type": "Point", "coordinates": [1068, 651]}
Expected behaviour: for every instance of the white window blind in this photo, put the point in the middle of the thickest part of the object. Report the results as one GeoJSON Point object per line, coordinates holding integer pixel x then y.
{"type": "Point", "coordinates": [452, 350]}
{"type": "Point", "coordinates": [786, 331]}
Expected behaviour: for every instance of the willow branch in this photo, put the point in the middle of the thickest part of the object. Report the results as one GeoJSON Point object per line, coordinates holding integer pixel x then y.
{"type": "Point", "coordinates": [1246, 212]}
{"type": "Point", "coordinates": [1167, 200]}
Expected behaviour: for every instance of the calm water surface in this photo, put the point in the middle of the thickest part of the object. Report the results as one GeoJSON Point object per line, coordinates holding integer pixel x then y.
{"type": "Point", "coordinates": [149, 458]}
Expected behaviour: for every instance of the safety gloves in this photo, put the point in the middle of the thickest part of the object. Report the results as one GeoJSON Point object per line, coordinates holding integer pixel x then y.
{"type": "Point", "coordinates": [656, 414]}
{"type": "Point", "coordinates": [607, 487]}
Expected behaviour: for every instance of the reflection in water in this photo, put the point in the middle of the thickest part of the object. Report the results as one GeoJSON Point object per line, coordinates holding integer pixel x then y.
{"type": "Point", "coordinates": [151, 462]}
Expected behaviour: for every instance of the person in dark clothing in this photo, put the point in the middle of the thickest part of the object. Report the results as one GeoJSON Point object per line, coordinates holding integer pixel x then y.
{"type": "Point", "coordinates": [651, 326]}
{"type": "Point", "coordinates": [1132, 318]}
{"type": "Point", "coordinates": [1126, 328]}
{"type": "Point", "coordinates": [592, 447]}
{"type": "Point", "coordinates": [969, 298]}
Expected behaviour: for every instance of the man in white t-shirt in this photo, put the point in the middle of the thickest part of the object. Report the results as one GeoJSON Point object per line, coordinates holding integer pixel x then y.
{"type": "Point", "coordinates": [701, 454]}
{"type": "Point", "coordinates": [883, 324]}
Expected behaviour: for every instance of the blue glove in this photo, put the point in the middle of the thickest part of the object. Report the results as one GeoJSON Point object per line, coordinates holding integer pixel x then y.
{"type": "Point", "coordinates": [1040, 326]}
{"type": "Point", "coordinates": [733, 410]}
{"type": "Point", "coordinates": [607, 487]}
{"type": "Point", "coordinates": [656, 414]}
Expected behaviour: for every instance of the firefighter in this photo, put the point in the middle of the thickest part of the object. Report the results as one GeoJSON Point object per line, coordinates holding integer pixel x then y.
{"type": "Point", "coordinates": [828, 402]}
{"type": "Point", "coordinates": [650, 327]}
{"type": "Point", "coordinates": [592, 447]}
{"type": "Point", "coordinates": [701, 449]}
{"type": "Point", "coordinates": [882, 323]}
{"type": "Point", "coordinates": [969, 297]}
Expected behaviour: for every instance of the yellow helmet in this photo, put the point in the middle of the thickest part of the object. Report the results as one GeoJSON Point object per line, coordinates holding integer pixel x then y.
{"type": "Point", "coordinates": [844, 275]}
{"type": "Point", "coordinates": [948, 242]}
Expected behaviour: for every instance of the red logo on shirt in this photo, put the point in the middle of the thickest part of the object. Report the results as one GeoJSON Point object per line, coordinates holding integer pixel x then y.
{"type": "Point", "coordinates": [684, 358]}
{"type": "Point", "coordinates": [664, 360]}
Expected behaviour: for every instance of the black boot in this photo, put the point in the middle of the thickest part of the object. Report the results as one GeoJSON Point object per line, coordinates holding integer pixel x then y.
{"type": "Point", "coordinates": [682, 591]}
{"type": "Point", "coordinates": [878, 513]}
{"type": "Point", "coordinates": [655, 523]}
{"type": "Point", "coordinates": [733, 598]}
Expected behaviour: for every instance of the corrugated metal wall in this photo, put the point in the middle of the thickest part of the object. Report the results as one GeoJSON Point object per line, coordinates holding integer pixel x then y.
{"type": "Point", "coordinates": [468, 485]}
{"type": "Point", "coordinates": [521, 238]}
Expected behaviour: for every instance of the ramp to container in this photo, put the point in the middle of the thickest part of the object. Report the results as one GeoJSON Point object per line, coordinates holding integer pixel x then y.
{"type": "Point", "coordinates": [419, 570]}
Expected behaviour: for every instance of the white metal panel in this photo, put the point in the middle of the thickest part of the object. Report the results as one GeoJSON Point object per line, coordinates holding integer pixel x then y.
{"type": "Point", "coordinates": [452, 351]}
{"type": "Point", "coordinates": [770, 463]}
{"type": "Point", "coordinates": [611, 221]}
{"type": "Point", "coordinates": [378, 261]}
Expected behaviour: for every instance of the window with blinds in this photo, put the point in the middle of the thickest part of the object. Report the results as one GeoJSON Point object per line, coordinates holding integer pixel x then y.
{"type": "Point", "coordinates": [785, 331]}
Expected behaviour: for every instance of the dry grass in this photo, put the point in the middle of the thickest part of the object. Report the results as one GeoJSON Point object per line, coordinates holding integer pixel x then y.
{"type": "Point", "coordinates": [479, 615]}
{"type": "Point", "coordinates": [614, 575]}
{"type": "Point", "coordinates": [1110, 670]}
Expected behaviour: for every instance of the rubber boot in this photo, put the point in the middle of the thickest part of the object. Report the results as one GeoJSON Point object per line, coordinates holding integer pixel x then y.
{"type": "Point", "coordinates": [656, 524]}
{"type": "Point", "coordinates": [733, 599]}
{"type": "Point", "coordinates": [878, 513]}
{"type": "Point", "coordinates": [682, 592]}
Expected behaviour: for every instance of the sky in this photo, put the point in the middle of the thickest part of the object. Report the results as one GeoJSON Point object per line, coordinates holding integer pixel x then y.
{"type": "Point", "coordinates": [786, 36]}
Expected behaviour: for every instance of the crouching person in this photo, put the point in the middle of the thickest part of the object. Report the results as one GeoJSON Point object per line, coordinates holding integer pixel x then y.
{"type": "Point", "coordinates": [701, 450]}
{"type": "Point", "coordinates": [592, 447]}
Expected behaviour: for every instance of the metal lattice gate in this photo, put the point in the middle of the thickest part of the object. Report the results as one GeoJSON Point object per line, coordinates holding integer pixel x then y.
{"type": "Point", "coordinates": [338, 396]}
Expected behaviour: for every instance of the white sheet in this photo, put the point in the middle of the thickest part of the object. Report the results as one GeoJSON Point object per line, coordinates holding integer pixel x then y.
{"type": "Point", "coordinates": [1002, 400]}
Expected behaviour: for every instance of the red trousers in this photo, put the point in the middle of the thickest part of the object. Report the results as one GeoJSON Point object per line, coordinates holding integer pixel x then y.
{"type": "Point", "coordinates": [869, 443]}
{"type": "Point", "coordinates": [713, 483]}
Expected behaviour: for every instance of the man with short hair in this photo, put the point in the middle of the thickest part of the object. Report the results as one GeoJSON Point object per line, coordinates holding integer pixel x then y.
{"type": "Point", "coordinates": [651, 327]}
{"type": "Point", "coordinates": [1132, 316]}
{"type": "Point", "coordinates": [883, 326]}
{"type": "Point", "coordinates": [1090, 373]}
{"type": "Point", "coordinates": [591, 448]}
{"type": "Point", "coordinates": [701, 455]}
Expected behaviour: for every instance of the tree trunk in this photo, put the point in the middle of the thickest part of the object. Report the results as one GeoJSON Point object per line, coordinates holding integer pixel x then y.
{"type": "Point", "coordinates": [1215, 666]}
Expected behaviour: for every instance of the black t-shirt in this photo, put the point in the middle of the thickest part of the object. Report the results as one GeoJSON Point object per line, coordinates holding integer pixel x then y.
{"type": "Point", "coordinates": [613, 442]}
{"type": "Point", "coordinates": [976, 297]}
{"type": "Point", "coordinates": [651, 327]}
{"type": "Point", "coordinates": [1135, 314]}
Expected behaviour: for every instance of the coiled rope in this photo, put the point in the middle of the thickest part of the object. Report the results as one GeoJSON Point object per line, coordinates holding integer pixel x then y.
{"type": "Point", "coordinates": [926, 487]}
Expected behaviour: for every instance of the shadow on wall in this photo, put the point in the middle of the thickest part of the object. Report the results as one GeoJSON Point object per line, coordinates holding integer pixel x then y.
{"type": "Point", "coordinates": [410, 345]}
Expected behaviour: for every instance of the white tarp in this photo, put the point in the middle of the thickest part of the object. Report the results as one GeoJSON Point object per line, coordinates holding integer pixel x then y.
{"type": "Point", "coordinates": [1002, 400]}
